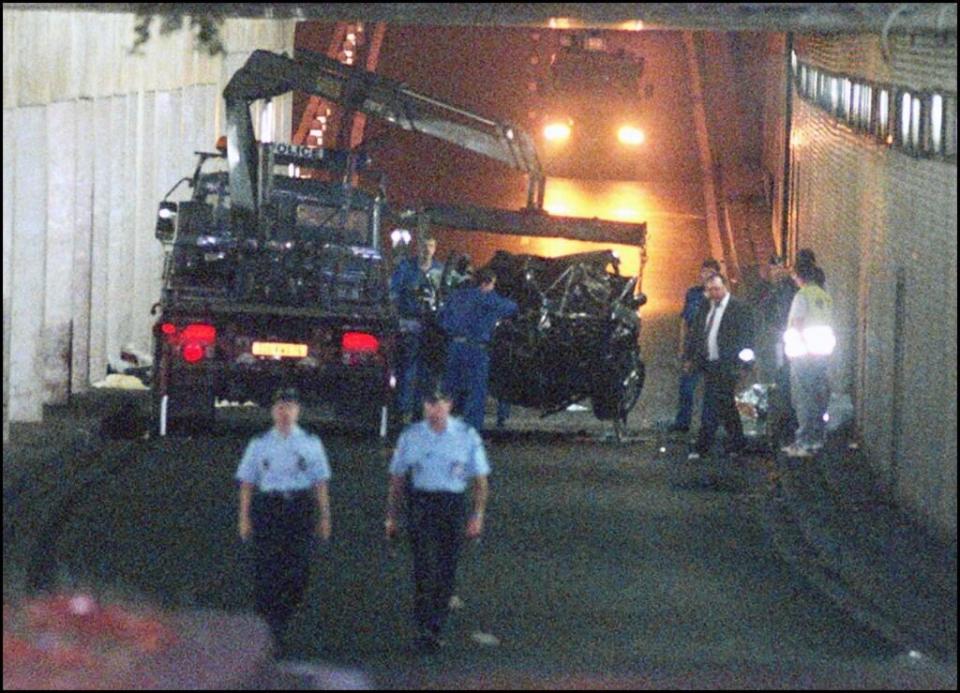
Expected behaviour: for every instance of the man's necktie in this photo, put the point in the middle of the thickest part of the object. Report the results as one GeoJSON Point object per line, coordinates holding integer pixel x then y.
{"type": "Point", "coordinates": [706, 334]}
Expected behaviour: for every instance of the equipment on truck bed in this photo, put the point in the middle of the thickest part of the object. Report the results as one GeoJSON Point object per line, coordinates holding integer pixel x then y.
{"type": "Point", "coordinates": [274, 273]}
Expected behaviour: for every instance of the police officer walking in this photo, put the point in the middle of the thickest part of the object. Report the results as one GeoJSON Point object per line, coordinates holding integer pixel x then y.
{"type": "Point", "coordinates": [413, 277]}
{"type": "Point", "coordinates": [469, 318]}
{"type": "Point", "coordinates": [283, 476]}
{"type": "Point", "coordinates": [439, 455]}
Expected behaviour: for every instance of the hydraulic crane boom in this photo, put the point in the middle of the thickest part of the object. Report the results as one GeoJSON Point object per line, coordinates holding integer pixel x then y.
{"type": "Point", "coordinates": [266, 74]}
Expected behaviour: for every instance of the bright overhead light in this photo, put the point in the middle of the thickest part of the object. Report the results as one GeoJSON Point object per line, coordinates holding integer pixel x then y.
{"type": "Point", "coordinates": [630, 135]}
{"type": "Point", "coordinates": [557, 132]}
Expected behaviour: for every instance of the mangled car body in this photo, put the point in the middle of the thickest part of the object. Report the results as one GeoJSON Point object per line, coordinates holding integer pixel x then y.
{"type": "Point", "coordinates": [575, 336]}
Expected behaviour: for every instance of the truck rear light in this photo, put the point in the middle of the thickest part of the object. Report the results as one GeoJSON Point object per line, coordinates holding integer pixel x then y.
{"type": "Point", "coordinates": [360, 342]}
{"type": "Point", "coordinates": [200, 333]}
{"type": "Point", "coordinates": [193, 352]}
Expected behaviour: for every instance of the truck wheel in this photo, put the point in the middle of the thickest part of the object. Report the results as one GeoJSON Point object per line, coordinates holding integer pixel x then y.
{"type": "Point", "coordinates": [362, 412]}
{"type": "Point", "coordinates": [178, 423]}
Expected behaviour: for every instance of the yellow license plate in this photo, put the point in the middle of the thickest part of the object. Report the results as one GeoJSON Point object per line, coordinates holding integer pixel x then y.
{"type": "Point", "coordinates": [279, 350]}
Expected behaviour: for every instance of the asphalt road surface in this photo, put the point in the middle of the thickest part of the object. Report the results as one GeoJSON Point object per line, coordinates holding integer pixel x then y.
{"type": "Point", "coordinates": [603, 564]}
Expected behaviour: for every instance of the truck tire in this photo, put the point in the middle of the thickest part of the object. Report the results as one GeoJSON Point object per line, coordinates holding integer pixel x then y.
{"type": "Point", "coordinates": [365, 413]}
{"type": "Point", "coordinates": [195, 422]}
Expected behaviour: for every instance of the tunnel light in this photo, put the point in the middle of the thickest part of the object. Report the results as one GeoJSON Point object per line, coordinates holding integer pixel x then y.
{"type": "Point", "coordinates": [746, 355]}
{"type": "Point", "coordinates": [630, 135]}
{"type": "Point", "coordinates": [557, 132]}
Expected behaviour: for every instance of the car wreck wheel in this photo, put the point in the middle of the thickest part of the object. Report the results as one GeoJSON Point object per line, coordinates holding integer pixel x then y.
{"type": "Point", "coordinates": [617, 394]}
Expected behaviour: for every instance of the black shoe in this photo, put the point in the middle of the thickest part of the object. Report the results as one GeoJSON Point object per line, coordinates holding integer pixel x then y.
{"type": "Point", "coordinates": [426, 644]}
{"type": "Point", "coordinates": [674, 428]}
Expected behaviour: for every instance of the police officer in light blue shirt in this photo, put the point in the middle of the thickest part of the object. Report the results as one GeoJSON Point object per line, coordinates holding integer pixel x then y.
{"type": "Point", "coordinates": [434, 462]}
{"type": "Point", "coordinates": [283, 477]}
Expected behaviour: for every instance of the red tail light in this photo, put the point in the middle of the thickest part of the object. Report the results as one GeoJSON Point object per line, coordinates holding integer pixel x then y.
{"type": "Point", "coordinates": [193, 339]}
{"type": "Point", "coordinates": [360, 342]}
{"type": "Point", "coordinates": [199, 332]}
{"type": "Point", "coordinates": [193, 352]}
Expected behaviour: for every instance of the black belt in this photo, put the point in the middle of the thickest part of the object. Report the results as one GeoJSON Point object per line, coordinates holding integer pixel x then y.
{"type": "Point", "coordinates": [434, 494]}
{"type": "Point", "coordinates": [472, 342]}
{"type": "Point", "coordinates": [284, 495]}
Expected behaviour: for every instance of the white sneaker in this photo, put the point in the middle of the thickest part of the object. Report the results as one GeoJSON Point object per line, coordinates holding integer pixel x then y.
{"type": "Point", "coordinates": [693, 456]}
{"type": "Point", "coordinates": [795, 450]}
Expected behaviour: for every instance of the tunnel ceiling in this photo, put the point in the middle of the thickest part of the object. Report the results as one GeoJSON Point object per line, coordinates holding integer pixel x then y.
{"type": "Point", "coordinates": [800, 17]}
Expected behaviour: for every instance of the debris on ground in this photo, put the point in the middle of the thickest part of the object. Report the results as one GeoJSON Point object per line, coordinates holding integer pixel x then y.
{"type": "Point", "coordinates": [486, 639]}
{"type": "Point", "coordinates": [119, 381]}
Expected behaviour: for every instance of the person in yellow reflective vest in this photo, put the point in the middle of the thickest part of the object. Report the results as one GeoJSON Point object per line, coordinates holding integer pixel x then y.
{"type": "Point", "coordinates": [809, 343]}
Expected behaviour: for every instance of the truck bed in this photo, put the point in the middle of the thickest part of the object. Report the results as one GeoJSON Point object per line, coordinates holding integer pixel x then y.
{"type": "Point", "coordinates": [180, 304]}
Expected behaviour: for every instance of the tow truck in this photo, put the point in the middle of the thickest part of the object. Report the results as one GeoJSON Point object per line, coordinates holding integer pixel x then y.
{"type": "Point", "coordinates": [274, 273]}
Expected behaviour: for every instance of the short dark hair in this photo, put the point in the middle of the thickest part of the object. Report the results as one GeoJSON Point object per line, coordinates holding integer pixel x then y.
{"type": "Point", "coordinates": [806, 256]}
{"type": "Point", "coordinates": [712, 264]}
{"type": "Point", "coordinates": [716, 275]}
{"type": "Point", "coordinates": [485, 275]}
{"type": "Point", "coordinates": [437, 393]}
{"type": "Point", "coordinates": [286, 394]}
{"type": "Point", "coordinates": [807, 272]}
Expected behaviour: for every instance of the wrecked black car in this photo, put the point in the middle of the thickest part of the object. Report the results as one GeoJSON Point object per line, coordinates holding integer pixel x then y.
{"type": "Point", "coordinates": [575, 336]}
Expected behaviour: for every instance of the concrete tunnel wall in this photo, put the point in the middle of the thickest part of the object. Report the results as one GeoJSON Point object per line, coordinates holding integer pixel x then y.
{"type": "Point", "coordinates": [876, 215]}
{"type": "Point", "coordinates": [93, 139]}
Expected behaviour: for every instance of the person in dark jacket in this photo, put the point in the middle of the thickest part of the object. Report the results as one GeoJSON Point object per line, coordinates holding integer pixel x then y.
{"type": "Point", "coordinates": [413, 278]}
{"type": "Point", "coordinates": [696, 295]}
{"type": "Point", "coordinates": [720, 344]}
{"type": "Point", "coordinates": [469, 318]}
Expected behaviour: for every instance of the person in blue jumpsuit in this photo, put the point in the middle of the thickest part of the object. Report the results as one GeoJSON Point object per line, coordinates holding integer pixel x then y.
{"type": "Point", "coordinates": [410, 280]}
{"type": "Point", "coordinates": [433, 462]}
{"type": "Point", "coordinates": [283, 478]}
{"type": "Point", "coordinates": [469, 318]}
{"type": "Point", "coordinates": [695, 295]}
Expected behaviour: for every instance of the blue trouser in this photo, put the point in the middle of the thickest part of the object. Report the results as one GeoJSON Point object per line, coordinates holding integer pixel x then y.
{"type": "Point", "coordinates": [810, 391]}
{"type": "Point", "coordinates": [688, 386]}
{"type": "Point", "coordinates": [411, 376]}
{"type": "Point", "coordinates": [436, 525]}
{"type": "Point", "coordinates": [283, 527]}
{"type": "Point", "coordinates": [468, 366]}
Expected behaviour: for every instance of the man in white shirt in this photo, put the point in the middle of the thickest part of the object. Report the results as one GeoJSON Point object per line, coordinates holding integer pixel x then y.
{"type": "Point", "coordinates": [720, 343]}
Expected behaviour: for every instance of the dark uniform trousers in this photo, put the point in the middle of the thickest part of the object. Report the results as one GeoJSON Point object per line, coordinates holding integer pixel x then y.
{"type": "Point", "coordinates": [436, 522]}
{"type": "Point", "coordinates": [719, 407]}
{"type": "Point", "coordinates": [283, 525]}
